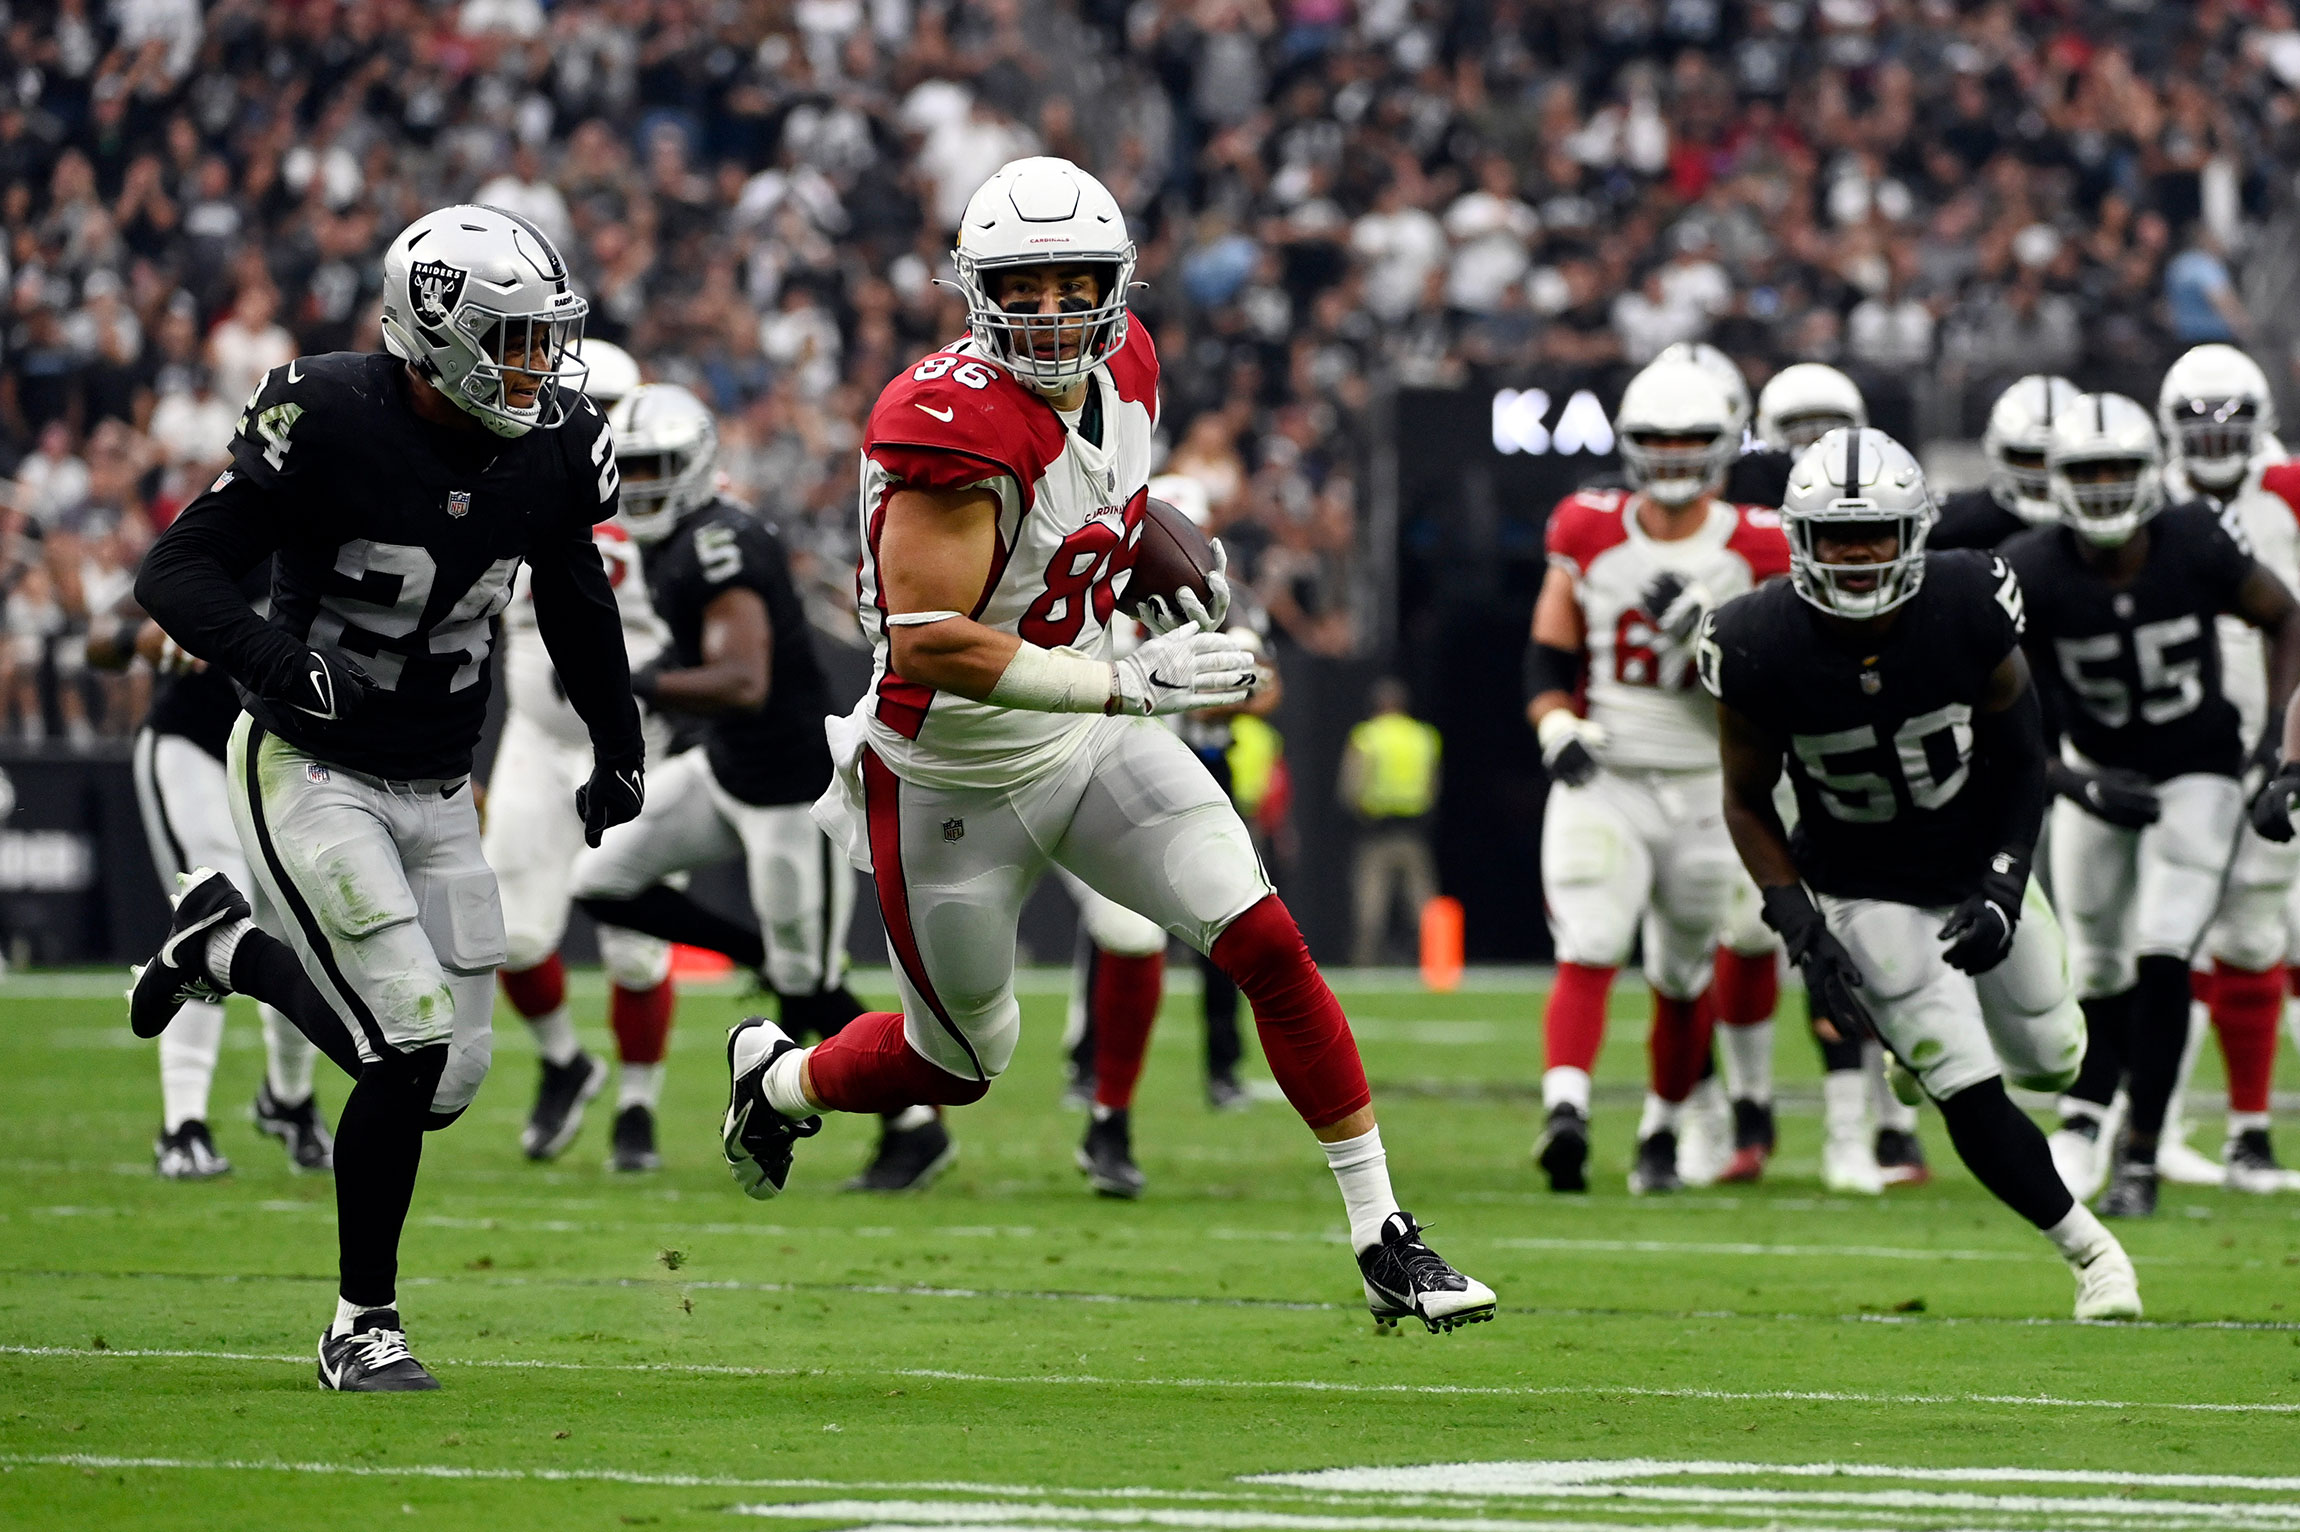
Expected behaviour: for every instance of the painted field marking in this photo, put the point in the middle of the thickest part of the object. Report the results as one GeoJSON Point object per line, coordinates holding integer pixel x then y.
{"type": "Point", "coordinates": [1538, 1476]}
{"type": "Point", "coordinates": [1294, 1385]}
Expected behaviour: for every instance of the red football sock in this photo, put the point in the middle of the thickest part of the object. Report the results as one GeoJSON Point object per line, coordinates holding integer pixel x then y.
{"type": "Point", "coordinates": [1125, 1005]}
{"type": "Point", "coordinates": [869, 1066]}
{"type": "Point", "coordinates": [2245, 1009]}
{"type": "Point", "coordinates": [1747, 987]}
{"type": "Point", "coordinates": [1679, 1045]}
{"type": "Point", "coordinates": [1573, 1023]}
{"type": "Point", "coordinates": [1305, 1036]}
{"type": "Point", "coordinates": [536, 991]}
{"type": "Point", "coordinates": [2200, 985]}
{"type": "Point", "coordinates": [642, 1021]}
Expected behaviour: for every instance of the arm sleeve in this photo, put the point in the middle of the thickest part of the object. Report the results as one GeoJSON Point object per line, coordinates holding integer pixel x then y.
{"type": "Point", "coordinates": [190, 584]}
{"type": "Point", "coordinates": [582, 627]}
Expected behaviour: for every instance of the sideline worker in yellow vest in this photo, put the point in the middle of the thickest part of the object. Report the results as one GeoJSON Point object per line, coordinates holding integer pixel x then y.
{"type": "Point", "coordinates": [1390, 783]}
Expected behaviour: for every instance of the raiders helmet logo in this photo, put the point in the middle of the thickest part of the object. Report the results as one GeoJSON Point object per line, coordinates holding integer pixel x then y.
{"type": "Point", "coordinates": [435, 288]}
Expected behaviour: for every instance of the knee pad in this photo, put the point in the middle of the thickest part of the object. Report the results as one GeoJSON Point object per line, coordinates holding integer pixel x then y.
{"type": "Point", "coordinates": [524, 948]}
{"type": "Point", "coordinates": [2095, 971]}
{"type": "Point", "coordinates": [633, 960]}
{"type": "Point", "coordinates": [464, 1071]}
{"type": "Point", "coordinates": [1678, 959]}
{"type": "Point", "coordinates": [1115, 928]}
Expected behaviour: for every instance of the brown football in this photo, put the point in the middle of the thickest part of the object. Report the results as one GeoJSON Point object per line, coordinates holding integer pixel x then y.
{"type": "Point", "coordinates": [1170, 554]}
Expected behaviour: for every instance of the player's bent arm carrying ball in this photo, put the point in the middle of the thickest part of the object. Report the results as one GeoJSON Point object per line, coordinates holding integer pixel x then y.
{"type": "Point", "coordinates": [1002, 480]}
{"type": "Point", "coordinates": [399, 494]}
{"type": "Point", "coordinates": [1892, 684]}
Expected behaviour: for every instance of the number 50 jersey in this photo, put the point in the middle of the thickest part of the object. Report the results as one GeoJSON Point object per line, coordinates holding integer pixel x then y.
{"type": "Point", "coordinates": [1070, 496]}
{"type": "Point", "coordinates": [1878, 730]}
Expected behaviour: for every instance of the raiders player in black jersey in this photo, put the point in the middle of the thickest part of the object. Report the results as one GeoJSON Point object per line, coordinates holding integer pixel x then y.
{"type": "Point", "coordinates": [740, 660]}
{"type": "Point", "coordinates": [2018, 494]}
{"type": "Point", "coordinates": [2122, 602]}
{"type": "Point", "coordinates": [396, 496]}
{"type": "Point", "coordinates": [1892, 683]}
{"type": "Point", "coordinates": [179, 771]}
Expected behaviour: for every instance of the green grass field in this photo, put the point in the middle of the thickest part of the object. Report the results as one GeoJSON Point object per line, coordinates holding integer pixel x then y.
{"type": "Point", "coordinates": [1008, 1351]}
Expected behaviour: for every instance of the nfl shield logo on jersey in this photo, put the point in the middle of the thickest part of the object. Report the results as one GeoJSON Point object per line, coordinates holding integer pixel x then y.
{"type": "Point", "coordinates": [458, 503]}
{"type": "Point", "coordinates": [954, 829]}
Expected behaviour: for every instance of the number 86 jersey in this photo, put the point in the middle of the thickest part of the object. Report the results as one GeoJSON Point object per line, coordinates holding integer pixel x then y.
{"type": "Point", "coordinates": [1070, 494]}
{"type": "Point", "coordinates": [1877, 729]}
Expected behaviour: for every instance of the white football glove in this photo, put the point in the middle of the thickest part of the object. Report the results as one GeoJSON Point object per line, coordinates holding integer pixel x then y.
{"type": "Point", "coordinates": [1185, 669]}
{"type": "Point", "coordinates": [1209, 614]}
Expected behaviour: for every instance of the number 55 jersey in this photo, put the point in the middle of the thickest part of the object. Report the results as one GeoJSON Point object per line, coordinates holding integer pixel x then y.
{"type": "Point", "coordinates": [1877, 729]}
{"type": "Point", "coordinates": [1069, 492]}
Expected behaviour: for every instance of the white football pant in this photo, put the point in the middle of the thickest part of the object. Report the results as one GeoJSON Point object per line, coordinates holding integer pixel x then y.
{"type": "Point", "coordinates": [2130, 894]}
{"type": "Point", "coordinates": [1951, 1029]}
{"type": "Point", "coordinates": [532, 839]}
{"type": "Point", "coordinates": [1639, 850]}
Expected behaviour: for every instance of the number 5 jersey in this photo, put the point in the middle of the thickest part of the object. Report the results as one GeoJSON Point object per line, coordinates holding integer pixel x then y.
{"type": "Point", "coordinates": [1877, 728]}
{"type": "Point", "coordinates": [1069, 487]}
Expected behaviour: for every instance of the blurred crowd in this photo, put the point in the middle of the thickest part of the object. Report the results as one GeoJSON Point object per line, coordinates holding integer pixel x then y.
{"type": "Point", "coordinates": [1331, 196]}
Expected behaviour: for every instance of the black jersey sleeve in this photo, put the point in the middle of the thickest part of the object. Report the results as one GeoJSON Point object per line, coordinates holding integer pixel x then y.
{"type": "Point", "coordinates": [1971, 518]}
{"type": "Point", "coordinates": [575, 609]}
{"type": "Point", "coordinates": [2226, 559]}
{"type": "Point", "coordinates": [191, 583]}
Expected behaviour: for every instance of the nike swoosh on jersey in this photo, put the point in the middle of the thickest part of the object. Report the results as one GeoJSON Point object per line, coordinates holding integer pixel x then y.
{"type": "Point", "coordinates": [293, 375]}
{"type": "Point", "coordinates": [941, 415]}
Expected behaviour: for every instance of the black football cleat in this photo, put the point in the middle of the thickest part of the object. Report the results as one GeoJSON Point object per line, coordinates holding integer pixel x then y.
{"type": "Point", "coordinates": [1901, 1158]}
{"type": "Point", "coordinates": [1404, 1276]}
{"type": "Point", "coordinates": [1655, 1169]}
{"type": "Point", "coordinates": [310, 1147]}
{"type": "Point", "coordinates": [632, 1150]}
{"type": "Point", "coordinates": [757, 1139]}
{"type": "Point", "coordinates": [206, 903]}
{"type": "Point", "coordinates": [1224, 1093]}
{"type": "Point", "coordinates": [2131, 1190]}
{"type": "Point", "coordinates": [914, 1147]}
{"type": "Point", "coordinates": [188, 1154]}
{"type": "Point", "coordinates": [1106, 1155]}
{"type": "Point", "coordinates": [1753, 1139]}
{"type": "Point", "coordinates": [372, 1359]}
{"type": "Point", "coordinates": [560, 1097]}
{"type": "Point", "coordinates": [1562, 1151]}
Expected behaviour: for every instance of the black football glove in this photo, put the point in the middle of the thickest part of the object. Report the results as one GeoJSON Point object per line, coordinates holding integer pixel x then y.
{"type": "Point", "coordinates": [1980, 930]}
{"type": "Point", "coordinates": [327, 686]}
{"type": "Point", "coordinates": [1831, 976]}
{"type": "Point", "coordinates": [1676, 606]}
{"type": "Point", "coordinates": [2125, 799]}
{"type": "Point", "coordinates": [1569, 745]}
{"type": "Point", "coordinates": [613, 796]}
{"type": "Point", "coordinates": [2272, 805]}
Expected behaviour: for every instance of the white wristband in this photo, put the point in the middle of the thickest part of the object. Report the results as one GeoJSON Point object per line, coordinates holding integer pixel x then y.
{"type": "Point", "coordinates": [1044, 681]}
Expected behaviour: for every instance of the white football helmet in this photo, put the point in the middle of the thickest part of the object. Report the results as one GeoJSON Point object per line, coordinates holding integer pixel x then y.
{"type": "Point", "coordinates": [1044, 212]}
{"type": "Point", "coordinates": [1801, 404]}
{"type": "Point", "coordinates": [1856, 476]}
{"type": "Point", "coordinates": [614, 372]}
{"type": "Point", "coordinates": [467, 290]}
{"type": "Point", "coordinates": [2019, 431]}
{"type": "Point", "coordinates": [1719, 366]}
{"type": "Point", "coordinates": [2215, 409]}
{"type": "Point", "coordinates": [2106, 466]}
{"type": "Point", "coordinates": [1676, 397]}
{"type": "Point", "coordinates": [665, 444]}
{"type": "Point", "coordinates": [1185, 494]}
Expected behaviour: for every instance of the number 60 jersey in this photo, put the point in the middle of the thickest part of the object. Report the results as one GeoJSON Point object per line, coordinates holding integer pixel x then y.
{"type": "Point", "coordinates": [1877, 730]}
{"type": "Point", "coordinates": [1070, 496]}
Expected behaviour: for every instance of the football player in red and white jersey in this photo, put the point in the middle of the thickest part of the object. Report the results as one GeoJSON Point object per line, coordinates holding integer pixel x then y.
{"type": "Point", "coordinates": [1003, 480]}
{"type": "Point", "coordinates": [2218, 418]}
{"type": "Point", "coordinates": [1634, 836]}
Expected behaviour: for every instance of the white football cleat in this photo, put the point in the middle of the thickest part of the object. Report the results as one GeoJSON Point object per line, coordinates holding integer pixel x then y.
{"type": "Point", "coordinates": [2248, 1164]}
{"type": "Point", "coordinates": [2178, 1163]}
{"type": "Point", "coordinates": [2106, 1287]}
{"type": "Point", "coordinates": [1705, 1134]}
{"type": "Point", "coordinates": [2079, 1155]}
{"type": "Point", "coordinates": [1849, 1163]}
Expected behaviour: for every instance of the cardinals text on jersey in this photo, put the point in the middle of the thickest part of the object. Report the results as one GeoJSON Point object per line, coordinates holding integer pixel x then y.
{"type": "Point", "coordinates": [1642, 689]}
{"type": "Point", "coordinates": [1069, 502]}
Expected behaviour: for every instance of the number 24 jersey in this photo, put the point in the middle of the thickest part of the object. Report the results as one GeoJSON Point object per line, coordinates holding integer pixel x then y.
{"type": "Point", "coordinates": [1069, 493]}
{"type": "Point", "coordinates": [1878, 733]}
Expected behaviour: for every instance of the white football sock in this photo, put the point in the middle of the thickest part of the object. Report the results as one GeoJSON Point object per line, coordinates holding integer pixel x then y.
{"type": "Point", "coordinates": [346, 1311]}
{"type": "Point", "coordinates": [782, 1088]}
{"type": "Point", "coordinates": [288, 1058]}
{"type": "Point", "coordinates": [1845, 1103]}
{"type": "Point", "coordinates": [1565, 1085]}
{"type": "Point", "coordinates": [1658, 1114]}
{"type": "Point", "coordinates": [221, 945]}
{"type": "Point", "coordinates": [2080, 1236]}
{"type": "Point", "coordinates": [1362, 1169]}
{"type": "Point", "coordinates": [1748, 1062]}
{"type": "Point", "coordinates": [910, 1119]}
{"type": "Point", "coordinates": [188, 1051]}
{"type": "Point", "coordinates": [639, 1085]}
{"type": "Point", "coordinates": [2245, 1122]}
{"type": "Point", "coordinates": [555, 1035]}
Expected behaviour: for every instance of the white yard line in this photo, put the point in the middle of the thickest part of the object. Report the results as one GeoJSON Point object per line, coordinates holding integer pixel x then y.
{"type": "Point", "coordinates": [1299, 1385]}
